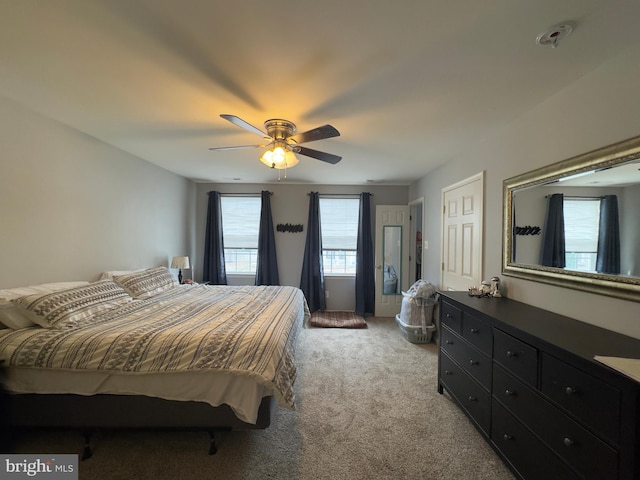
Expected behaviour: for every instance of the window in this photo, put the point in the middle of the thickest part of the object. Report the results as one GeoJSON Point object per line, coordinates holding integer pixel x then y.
{"type": "Point", "coordinates": [339, 225]}
{"type": "Point", "coordinates": [240, 227]}
{"type": "Point", "coordinates": [581, 223]}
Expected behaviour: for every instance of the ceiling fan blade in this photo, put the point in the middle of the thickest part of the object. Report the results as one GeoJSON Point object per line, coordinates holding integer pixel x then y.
{"type": "Point", "coordinates": [319, 133]}
{"type": "Point", "coordinates": [325, 157]}
{"type": "Point", "coordinates": [238, 147]}
{"type": "Point", "coordinates": [242, 124]}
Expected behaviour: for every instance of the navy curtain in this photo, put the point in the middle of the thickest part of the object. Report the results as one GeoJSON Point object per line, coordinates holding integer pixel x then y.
{"type": "Point", "coordinates": [312, 279]}
{"type": "Point", "coordinates": [553, 250]}
{"type": "Point", "coordinates": [365, 273]}
{"type": "Point", "coordinates": [608, 256]}
{"type": "Point", "coordinates": [214, 271]}
{"type": "Point", "coordinates": [267, 271]}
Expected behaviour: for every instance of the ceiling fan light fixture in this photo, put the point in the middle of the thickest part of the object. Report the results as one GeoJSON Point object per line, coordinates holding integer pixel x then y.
{"type": "Point", "coordinates": [280, 156]}
{"type": "Point", "coordinates": [285, 142]}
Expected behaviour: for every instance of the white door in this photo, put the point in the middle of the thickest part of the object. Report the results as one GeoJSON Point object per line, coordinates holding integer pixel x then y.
{"type": "Point", "coordinates": [392, 258]}
{"type": "Point", "coordinates": [462, 226]}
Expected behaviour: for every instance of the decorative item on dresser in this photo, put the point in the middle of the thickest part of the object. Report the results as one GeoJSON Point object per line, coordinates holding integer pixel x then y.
{"type": "Point", "coordinates": [528, 380]}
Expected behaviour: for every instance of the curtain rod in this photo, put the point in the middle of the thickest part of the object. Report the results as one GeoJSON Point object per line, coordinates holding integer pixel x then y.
{"type": "Point", "coordinates": [588, 197]}
{"type": "Point", "coordinates": [242, 194]}
{"type": "Point", "coordinates": [340, 194]}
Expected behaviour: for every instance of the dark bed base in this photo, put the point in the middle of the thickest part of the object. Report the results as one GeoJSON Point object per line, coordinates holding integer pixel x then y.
{"type": "Point", "coordinates": [89, 413]}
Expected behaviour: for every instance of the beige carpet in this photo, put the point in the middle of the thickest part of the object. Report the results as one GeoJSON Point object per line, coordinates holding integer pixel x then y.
{"type": "Point", "coordinates": [337, 319]}
{"type": "Point", "coordinates": [367, 408]}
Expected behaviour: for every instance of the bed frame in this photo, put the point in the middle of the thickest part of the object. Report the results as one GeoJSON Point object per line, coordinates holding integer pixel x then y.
{"type": "Point", "coordinates": [90, 413]}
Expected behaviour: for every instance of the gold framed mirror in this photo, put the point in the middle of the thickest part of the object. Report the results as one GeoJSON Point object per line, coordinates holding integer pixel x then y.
{"type": "Point", "coordinates": [580, 186]}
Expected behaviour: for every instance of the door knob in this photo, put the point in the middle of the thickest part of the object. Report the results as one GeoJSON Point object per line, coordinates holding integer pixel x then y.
{"type": "Point", "coordinates": [379, 267]}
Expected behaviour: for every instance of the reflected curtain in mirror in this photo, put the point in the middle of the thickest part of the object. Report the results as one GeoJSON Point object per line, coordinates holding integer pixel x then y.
{"type": "Point", "coordinates": [608, 258]}
{"type": "Point", "coordinates": [267, 268]}
{"type": "Point", "coordinates": [553, 248]}
{"type": "Point", "coordinates": [213, 269]}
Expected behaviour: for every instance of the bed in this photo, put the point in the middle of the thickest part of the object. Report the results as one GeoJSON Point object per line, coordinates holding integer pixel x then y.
{"type": "Point", "coordinates": [136, 350]}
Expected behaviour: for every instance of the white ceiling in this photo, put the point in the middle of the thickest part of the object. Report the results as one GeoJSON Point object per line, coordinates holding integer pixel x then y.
{"type": "Point", "coordinates": [410, 84]}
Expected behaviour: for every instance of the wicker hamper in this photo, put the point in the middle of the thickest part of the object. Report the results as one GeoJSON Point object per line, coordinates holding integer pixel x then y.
{"type": "Point", "coordinates": [416, 313]}
{"type": "Point", "coordinates": [416, 333]}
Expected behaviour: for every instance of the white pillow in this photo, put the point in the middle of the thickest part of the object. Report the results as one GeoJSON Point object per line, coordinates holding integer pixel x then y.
{"type": "Point", "coordinates": [11, 293]}
{"type": "Point", "coordinates": [146, 283]}
{"type": "Point", "coordinates": [65, 308]}
{"type": "Point", "coordinates": [15, 317]}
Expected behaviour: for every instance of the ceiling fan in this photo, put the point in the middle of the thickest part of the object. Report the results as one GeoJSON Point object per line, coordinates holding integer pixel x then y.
{"type": "Point", "coordinates": [283, 142]}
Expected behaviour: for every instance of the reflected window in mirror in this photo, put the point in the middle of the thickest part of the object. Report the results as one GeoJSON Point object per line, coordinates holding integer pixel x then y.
{"type": "Point", "coordinates": [581, 223]}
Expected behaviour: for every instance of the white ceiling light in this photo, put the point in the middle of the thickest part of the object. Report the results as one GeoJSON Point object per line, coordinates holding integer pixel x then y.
{"type": "Point", "coordinates": [553, 36]}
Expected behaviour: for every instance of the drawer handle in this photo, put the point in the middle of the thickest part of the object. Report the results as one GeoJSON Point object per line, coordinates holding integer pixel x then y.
{"type": "Point", "coordinates": [507, 437]}
{"type": "Point", "coordinates": [510, 393]}
{"type": "Point", "coordinates": [570, 390]}
{"type": "Point", "coordinates": [448, 342]}
{"type": "Point", "coordinates": [449, 315]}
{"type": "Point", "coordinates": [448, 372]}
{"type": "Point", "coordinates": [473, 399]}
{"type": "Point", "coordinates": [473, 362]}
{"type": "Point", "coordinates": [511, 354]}
{"type": "Point", "coordinates": [568, 442]}
{"type": "Point", "coordinates": [474, 330]}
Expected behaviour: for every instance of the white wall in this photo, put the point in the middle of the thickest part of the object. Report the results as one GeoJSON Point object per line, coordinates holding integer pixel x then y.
{"type": "Point", "coordinates": [290, 204]}
{"type": "Point", "coordinates": [599, 109]}
{"type": "Point", "coordinates": [72, 206]}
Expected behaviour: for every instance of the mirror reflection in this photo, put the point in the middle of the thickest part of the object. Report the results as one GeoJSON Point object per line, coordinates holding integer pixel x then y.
{"type": "Point", "coordinates": [587, 228]}
{"type": "Point", "coordinates": [576, 224]}
{"type": "Point", "coordinates": [392, 259]}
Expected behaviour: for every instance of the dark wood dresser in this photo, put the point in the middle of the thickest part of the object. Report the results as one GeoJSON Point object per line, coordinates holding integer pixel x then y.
{"type": "Point", "coordinates": [528, 380]}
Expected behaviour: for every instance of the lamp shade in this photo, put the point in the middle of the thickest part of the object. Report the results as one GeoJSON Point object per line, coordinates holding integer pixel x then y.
{"type": "Point", "coordinates": [180, 262]}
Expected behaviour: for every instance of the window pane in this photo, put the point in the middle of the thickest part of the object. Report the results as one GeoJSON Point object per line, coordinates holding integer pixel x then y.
{"type": "Point", "coordinates": [241, 260]}
{"type": "Point", "coordinates": [339, 225]}
{"type": "Point", "coordinates": [240, 226]}
{"type": "Point", "coordinates": [339, 261]}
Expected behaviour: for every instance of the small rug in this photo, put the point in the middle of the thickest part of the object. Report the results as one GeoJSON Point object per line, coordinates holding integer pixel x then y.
{"type": "Point", "coordinates": [337, 320]}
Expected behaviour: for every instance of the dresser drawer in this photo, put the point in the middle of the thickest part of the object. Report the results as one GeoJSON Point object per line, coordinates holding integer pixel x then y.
{"type": "Point", "coordinates": [582, 450]}
{"type": "Point", "coordinates": [451, 317]}
{"type": "Point", "coordinates": [593, 401]}
{"type": "Point", "coordinates": [477, 332]}
{"type": "Point", "coordinates": [516, 356]}
{"type": "Point", "coordinates": [477, 364]}
{"type": "Point", "coordinates": [526, 453]}
{"type": "Point", "coordinates": [469, 394]}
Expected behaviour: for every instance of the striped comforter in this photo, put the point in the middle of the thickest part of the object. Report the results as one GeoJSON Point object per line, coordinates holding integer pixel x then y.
{"type": "Point", "coordinates": [248, 331]}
